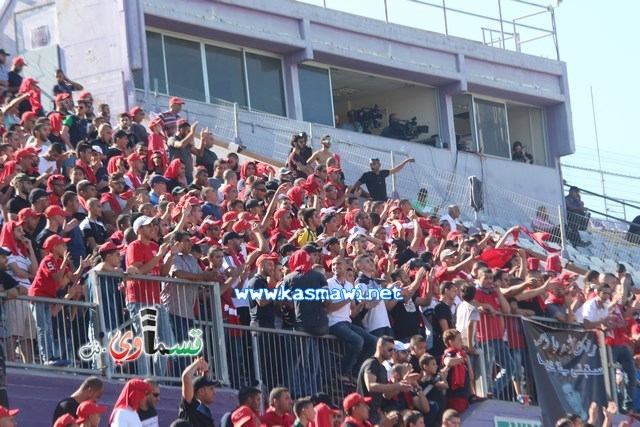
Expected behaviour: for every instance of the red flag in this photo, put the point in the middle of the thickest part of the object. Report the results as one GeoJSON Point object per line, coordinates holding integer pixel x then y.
{"type": "Point", "coordinates": [497, 258]}
{"type": "Point", "coordinates": [540, 239]}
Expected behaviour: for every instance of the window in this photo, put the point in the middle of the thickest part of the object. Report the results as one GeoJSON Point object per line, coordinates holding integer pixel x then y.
{"type": "Point", "coordinates": [184, 68]}
{"type": "Point", "coordinates": [266, 87]}
{"type": "Point", "coordinates": [492, 130]}
{"type": "Point", "coordinates": [315, 94]}
{"type": "Point", "coordinates": [157, 79]}
{"type": "Point", "coordinates": [226, 74]}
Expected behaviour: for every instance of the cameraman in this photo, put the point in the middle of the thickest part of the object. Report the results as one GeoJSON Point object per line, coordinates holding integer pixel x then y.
{"type": "Point", "coordinates": [394, 130]}
{"type": "Point", "coordinates": [352, 124]}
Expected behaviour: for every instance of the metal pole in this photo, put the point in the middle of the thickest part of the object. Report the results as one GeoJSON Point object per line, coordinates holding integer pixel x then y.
{"type": "Point", "coordinates": [444, 12]}
{"type": "Point", "coordinates": [555, 34]}
{"type": "Point", "coordinates": [595, 127]}
{"type": "Point", "coordinates": [501, 24]}
{"type": "Point", "coordinates": [393, 177]}
{"type": "Point", "coordinates": [103, 360]}
{"type": "Point", "coordinates": [235, 120]}
{"type": "Point", "coordinates": [386, 12]}
{"type": "Point", "coordinates": [221, 355]}
{"type": "Point", "coordinates": [563, 237]}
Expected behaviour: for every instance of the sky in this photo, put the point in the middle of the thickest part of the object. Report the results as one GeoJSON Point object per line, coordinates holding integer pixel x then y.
{"type": "Point", "coordinates": [598, 41]}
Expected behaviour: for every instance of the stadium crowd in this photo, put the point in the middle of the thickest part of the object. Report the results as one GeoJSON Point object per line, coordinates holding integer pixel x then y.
{"type": "Point", "coordinates": [83, 191]}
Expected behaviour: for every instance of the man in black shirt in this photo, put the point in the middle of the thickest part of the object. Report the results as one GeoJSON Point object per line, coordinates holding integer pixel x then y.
{"type": "Point", "coordinates": [147, 408]}
{"type": "Point", "coordinates": [91, 389]}
{"type": "Point", "coordinates": [442, 318]}
{"type": "Point", "coordinates": [197, 394]}
{"type": "Point", "coordinates": [262, 310]}
{"type": "Point", "coordinates": [15, 79]}
{"type": "Point", "coordinates": [375, 179]}
{"type": "Point", "coordinates": [23, 184]}
{"type": "Point", "coordinates": [372, 379]}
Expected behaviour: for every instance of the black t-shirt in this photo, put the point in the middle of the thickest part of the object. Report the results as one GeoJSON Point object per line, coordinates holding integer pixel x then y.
{"type": "Point", "coordinates": [376, 184]}
{"type": "Point", "coordinates": [112, 152]}
{"type": "Point", "coordinates": [15, 79]}
{"type": "Point", "coordinates": [371, 365]}
{"type": "Point", "coordinates": [415, 363]}
{"type": "Point", "coordinates": [310, 315]}
{"type": "Point", "coordinates": [404, 257]}
{"type": "Point", "coordinates": [263, 317]}
{"type": "Point", "coordinates": [207, 160]}
{"type": "Point", "coordinates": [66, 406]}
{"type": "Point", "coordinates": [44, 234]}
{"type": "Point", "coordinates": [400, 402]}
{"type": "Point", "coordinates": [406, 319]}
{"type": "Point", "coordinates": [441, 311]}
{"type": "Point", "coordinates": [17, 203]}
{"type": "Point", "coordinates": [196, 413]}
{"type": "Point", "coordinates": [148, 414]}
{"type": "Point", "coordinates": [464, 391]}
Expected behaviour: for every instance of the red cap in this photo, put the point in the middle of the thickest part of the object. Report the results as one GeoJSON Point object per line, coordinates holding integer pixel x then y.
{"type": "Point", "coordinates": [26, 213]}
{"type": "Point", "coordinates": [18, 61]}
{"type": "Point", "coordinates": [4, 412]}
{"type": "Point", "coordinates": [154, 122]}
{"type": "Point", "coordinates": [53, 241]}
{"type": "Point", "coordinates": [176, 100]}
{"type": "Point", "coordinates": [26, 152]}
{"type": "Point", "coordinates": [133, 157]}
{"type": "Point", "coordinates": [241, 226]}
{"type": "Point", "coordinates": [229, 216]}
{"type": "Point", "coordinates": [267, 257]}
{"type": "Point", "coordinates": [27, 115]}
{"type": "Point", "coordinates": [85, 95]}
{"type": "Point", "coordinates": [88, 408]}
{"type": "Point", "coordinates": [64, 420]}
{"type": "Point", "coordinates": [109, 246]}
{"type": "Point", "coordinates": [241, 416]}
{"type": "Point", "coordinates": [396, 208]}
{"type": "Point", "coordinates": [247, 216]}
{"type": "Point", "coordinates": [224, 190]}
{"type": "Point", "coordinates": [567, 277]}
{"type": "Point", "coordinates": [331, 169]}
{"type": "Point", "coordinates": [134, 110]}
{"type": "Point", "coordinates": [207, 224]}
{"type": "Point", "coordinates": [62, 96]}
{"type": "Point", "coordinates": [280, 213]}
{"type": "Point", "coordinates": [191, 200]}
{"type": "Point", "coordinates": [353, 399]}
{"type": "Point", "coordinates": [55, 210]}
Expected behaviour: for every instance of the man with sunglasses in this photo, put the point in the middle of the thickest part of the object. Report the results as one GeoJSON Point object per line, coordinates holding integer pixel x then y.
{"type": "Point", "coordinates": [147, 408]}
{"type": "Point", "coordinates": [321, 156]}
{"type": "Point", "coordinates": [376, 179]}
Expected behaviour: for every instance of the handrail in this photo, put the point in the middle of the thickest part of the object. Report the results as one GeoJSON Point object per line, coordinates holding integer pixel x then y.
{"type": "Point", "coordinates": [126, 276]}
{"type": "Point", "coordinates": [3, 295]}
{"type": "Point", "coordinates": [622, 202]}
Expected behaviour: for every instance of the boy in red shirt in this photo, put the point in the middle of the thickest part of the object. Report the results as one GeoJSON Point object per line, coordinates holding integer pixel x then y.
{"type": "Point", "coordinates": [53, 275]}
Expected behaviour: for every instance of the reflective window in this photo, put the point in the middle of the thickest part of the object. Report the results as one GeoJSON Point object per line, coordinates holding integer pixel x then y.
{"type": "Point", "coordinates": [492, 131]}
{"type": "Point", "coordinates": [226, 74]}
{"type": "Point", "coordinates": [266, 86]}
{"type": "Point", "coordinates": [315, 93]}
{"type": "Point", "coordinates": [157, 79]}
{"type": "Point", "coordinates": [184, 68]}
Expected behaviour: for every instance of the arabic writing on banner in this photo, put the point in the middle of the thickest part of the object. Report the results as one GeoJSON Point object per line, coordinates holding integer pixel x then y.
{"type": "Point", "coordinates": [567, 369]}
{"type": "Point", "coordinates": [513, 422]}
{"type": "Point", "coordinates": [125, 347]}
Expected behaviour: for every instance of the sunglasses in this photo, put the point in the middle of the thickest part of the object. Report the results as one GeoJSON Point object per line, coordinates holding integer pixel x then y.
{"type": "Point", "coordinates": [156, 395]}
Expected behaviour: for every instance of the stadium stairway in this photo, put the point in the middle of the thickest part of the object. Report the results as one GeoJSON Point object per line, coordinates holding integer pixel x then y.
{"type": "Point", "coordinates": [36, 394]}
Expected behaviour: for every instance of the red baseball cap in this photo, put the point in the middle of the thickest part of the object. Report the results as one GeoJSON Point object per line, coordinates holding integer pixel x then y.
{"type": "Point", "coordinates": [332, 169]}
{"type": "Point", "coordinates": [109, 246]}
{"type": "Point", "coordinates": [134, 110]}
{"type": "Point", "coordinates": [176, 100]}
{"type": "Point", "coordinates": [353, 399]}
{"type": "Point", "coordinates": [133, 157]}
{"type": "Point", "coordinates": [567, 277]}
{"type": "Point", "coordinates": [26, 152]}
{"type": "Point", "coordinates": [27, 115]}
{"type": "Point", "coordinates": [4, 412]}
{"type": "Point", "coordinates": [241, 226]}
{"type": "Point", "coordinates": [85, 95]}
{"type": "Point", "coordinates": [241, 416]}
{"type": "Point", "coordinates": [156, 121]}
{"type": "Point", "coordinates": [88, 408]}
{"type": "Point", "coordinates": [227, 188]}
{"type": "Point", "coordinates": [53, 241]}
{"type": "Point", "coordinates": [64, 420]}
{"type": "Point", "coordinates": [280, 213]}
{"type": "Point", "coordinates": [267, 257]}
{"type": "Point", "coordinates": [55, 210]}
{"type": "Point", "coordinates": [207, 224]}
{"type": "Point", "coordinates": [18, 61]}
{"type": "Point", "coordinates": [191, 200]}
{"type": "Point", "coordinates": [26, 213]}
{"type": "Point", "coordinates": [62, 96]}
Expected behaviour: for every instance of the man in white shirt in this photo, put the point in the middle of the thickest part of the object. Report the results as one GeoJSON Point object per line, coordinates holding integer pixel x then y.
{"type": "Point", "coordinates": [453, 218]}
{"type": "Point", "coordinates": [376, 319]}
{"type": "Point", "coordinates": [467, 317]}
{"type": "Point", "coordinates": [359, 344]}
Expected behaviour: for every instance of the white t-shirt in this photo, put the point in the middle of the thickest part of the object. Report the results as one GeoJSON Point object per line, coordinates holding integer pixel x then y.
{"type": "Point", "coordinates": [452, 222]}
{"type": "Point", "coordinates": [465, 314]}
{"type": "Point", "coordinates": [377, 317]}
{"type": "Point", "coordinates": [229, 262]}
{"type": "Point", "coordinates": [343, 314]}
{"type": "Point", "coordinates": [45, 165]}
{"type": "Point", "coordinates": [592, 312]}
{"type": "Point", "coordinates": [126, 417]}
{"type": "Point", "coordinates": [23, 263]}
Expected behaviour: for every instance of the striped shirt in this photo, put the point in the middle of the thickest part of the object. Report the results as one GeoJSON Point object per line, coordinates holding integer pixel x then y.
{"type": "Point", "coordinates": [170, 121]}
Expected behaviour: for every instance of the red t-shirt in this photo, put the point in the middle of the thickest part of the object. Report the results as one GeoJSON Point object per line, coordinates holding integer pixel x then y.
{"type": "Point", "coordinates": [271, 419]}
{"type": "Point", "coordinates": [618, 336]}
{"type": "Point", "coordinates": [43, 284]}
{"type": "Point", "coordinates": [515, 334]}
{"type": "Point", "coordinates": [491, 327]}
{"type": "Point", "coordinates": [443, 276]}
{"type": "Point", "coordinates": [143, 291]}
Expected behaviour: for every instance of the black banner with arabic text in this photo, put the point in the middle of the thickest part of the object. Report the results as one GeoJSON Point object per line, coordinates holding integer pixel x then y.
{"type": "Point", "coordinates": [567, 369]}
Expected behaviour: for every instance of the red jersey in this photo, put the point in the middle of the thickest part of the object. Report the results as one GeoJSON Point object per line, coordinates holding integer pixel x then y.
{"type": "Point", "coordinates": [271, 419]}
{"type": "Point", "coordinates": [491, 327]}
{"type": "Point", "coordinates": [618, 336]}
{"type": "Point", "coordinates": [515, 334]}
{"type": "Point", "coordinates": [43, 284]}
{"type": "Point", "coordinates": [443, 276]}
{"type": "Point", "coordinates": [143, 291]}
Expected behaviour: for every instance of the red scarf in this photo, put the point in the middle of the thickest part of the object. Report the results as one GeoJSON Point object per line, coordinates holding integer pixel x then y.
{"type": "Point", "coordinates": [244, 167]}
{"type": "Point", "coordinates": [173, 169]}
{"type": "Point", "coordinates": [458, 372]}
{"type": "Point", "coordinates": [300, 261]}
{"type": "Point", "coordinates": [156, 143]}
{"type": "Point", "coordinates": [91, 176]}
{"type": "Point", "coordinates": [539, 238]}
{"type": "Point", "coordinates": [112, 165]}
{"type": "Point", "coordinates": [554, 299]}
{"type": "Point", "coordinates": [135, 179]}
{"type": "Point", "coordinates": [7, 240]}
{"type": "Point", "coordinates": [112, 200]}
{"type": "Point", "coordinates": [131, 395]}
